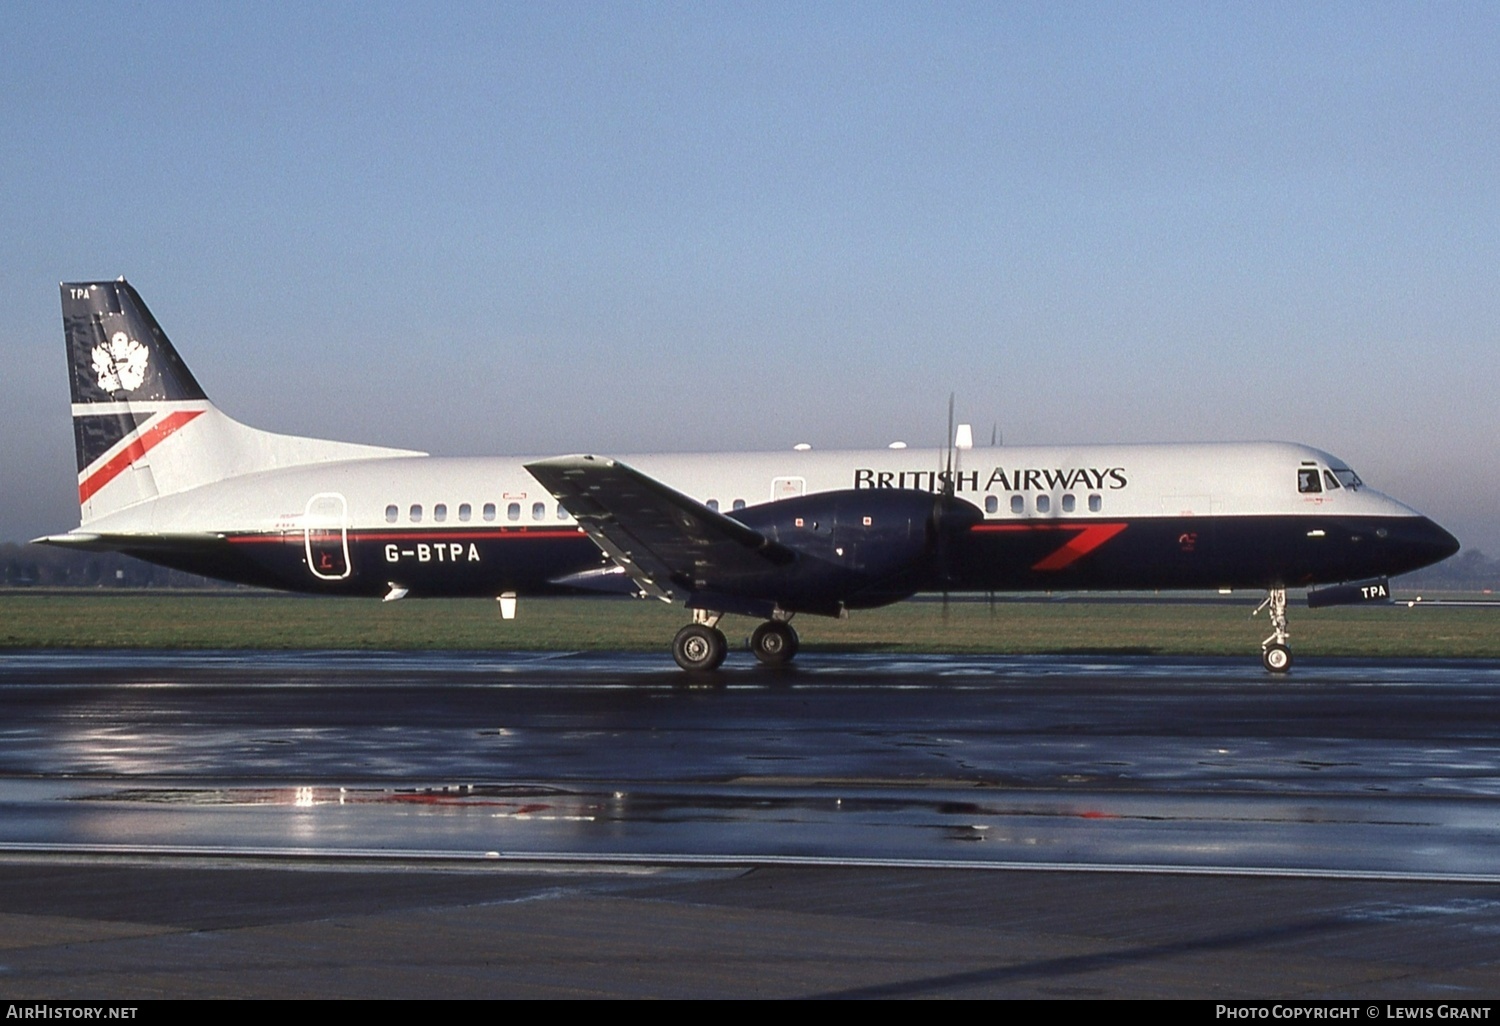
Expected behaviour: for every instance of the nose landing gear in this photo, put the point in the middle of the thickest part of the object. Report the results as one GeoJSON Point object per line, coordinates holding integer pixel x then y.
{"type": "Point", "coordinates": [1274, 653]}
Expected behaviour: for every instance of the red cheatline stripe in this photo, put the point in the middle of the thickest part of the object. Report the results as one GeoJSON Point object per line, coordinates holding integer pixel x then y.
{"type": "Point", "coordinates": [1090, 536]}
{"type": "Point", "coordinates": [142, 444]}
{"type": "Point", "coordinates": [459, 534]}
{"type": "Point", "coordinates": [516, 534]}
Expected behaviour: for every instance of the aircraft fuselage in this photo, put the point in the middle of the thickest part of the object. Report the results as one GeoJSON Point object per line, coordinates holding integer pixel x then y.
{"type": "Point", "coordinates": [1115, 517]}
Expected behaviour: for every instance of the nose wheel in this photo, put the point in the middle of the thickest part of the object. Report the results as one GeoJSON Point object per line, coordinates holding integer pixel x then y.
{"type": "Point", "coordinates": [1274, 653]}
{"type": "Point", "coordinates": [1277, 658]}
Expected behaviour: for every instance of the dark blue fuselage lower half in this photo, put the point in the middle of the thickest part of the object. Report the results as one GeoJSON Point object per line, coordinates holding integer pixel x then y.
{"type": "Point", "coordinates": [1022, 555]}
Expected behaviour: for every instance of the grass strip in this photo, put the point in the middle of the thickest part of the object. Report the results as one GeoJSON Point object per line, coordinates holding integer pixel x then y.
{"type": "Point", "coordinates": [252, 621]}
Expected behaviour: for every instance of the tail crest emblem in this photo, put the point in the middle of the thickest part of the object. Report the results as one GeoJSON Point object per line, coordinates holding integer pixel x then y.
{"type": "Point", "coordinates": [121, 363]}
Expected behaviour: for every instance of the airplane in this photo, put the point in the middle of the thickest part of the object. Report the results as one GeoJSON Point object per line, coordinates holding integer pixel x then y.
{"type": "Point", "coordinates": [164, 476]}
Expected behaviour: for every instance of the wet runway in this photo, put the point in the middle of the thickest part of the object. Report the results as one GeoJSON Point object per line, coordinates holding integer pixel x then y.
{"type": "Point", "coordinates": [1358, 784]}
{"type": "Point", "coordinates": [1208, 764]}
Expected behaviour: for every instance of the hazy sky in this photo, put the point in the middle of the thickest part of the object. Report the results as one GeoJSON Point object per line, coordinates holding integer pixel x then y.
{"type": "Point", "coordinates": [550, 227]}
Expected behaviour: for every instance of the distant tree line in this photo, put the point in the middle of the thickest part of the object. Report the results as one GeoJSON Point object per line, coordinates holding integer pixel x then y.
{"type": "Point", "coordinates": [1470, 570]}
{"type": "Point", "coordinates": [43, 566]}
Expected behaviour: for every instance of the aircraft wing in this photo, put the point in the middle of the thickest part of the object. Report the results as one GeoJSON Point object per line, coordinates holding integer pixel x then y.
{"type": "Point", "coordinates": [669, 544]}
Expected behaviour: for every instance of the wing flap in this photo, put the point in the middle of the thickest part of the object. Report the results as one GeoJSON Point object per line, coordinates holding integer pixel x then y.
{"type": "Point", "coordinates": [671, 545]}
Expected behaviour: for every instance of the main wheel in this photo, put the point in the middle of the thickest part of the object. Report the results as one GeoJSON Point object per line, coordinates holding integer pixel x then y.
{"type": "Point", "coordinates": [774, 643]}
{"type": "Point", "coordinates": [1277, 657]}
{"type": "Point", "coordinates": [698, 648]}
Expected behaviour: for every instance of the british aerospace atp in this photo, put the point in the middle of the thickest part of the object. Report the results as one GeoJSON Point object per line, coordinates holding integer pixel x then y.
{"type": "Point", "coordinates": [164, 476]}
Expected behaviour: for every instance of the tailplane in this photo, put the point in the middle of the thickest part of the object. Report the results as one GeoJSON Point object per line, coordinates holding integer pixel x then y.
{"type": "Point", "coordinates": [142, 425]}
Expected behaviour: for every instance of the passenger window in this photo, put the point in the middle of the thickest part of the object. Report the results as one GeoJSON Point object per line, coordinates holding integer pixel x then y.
{"type": "Point", "coordinates": [440, 513]}
{"type": "Point", "coordinates": [1018, 504]}
{"type": "Point", "coordinates": [563, 514]}
{"type": "Point", "coordinates": [513, 511]}
{"type": "Point", "coordinates": [465, 511]}
{"type": "Point", "coordinates": [739, 503]}
{"type": "Point", "coordinates": [713, 504]}
{"type": "Point", "coordinates": [991, 504]}
{"type": "Point", "coordinates": [1043, 503]}
{"type": "Point", "coordinates": [415, 513]}
{"type": "Point", "coordinates": [391, 513]}
{"type": "Point", "coordinates": [489, 511]}
{"type": "Point", "coordinates": [1307, 481]}
{"type": "Point", "coordinates": [1095, 503]}
{"type": "Point", "coordinates": [1069, 503]}
{"type": "Point", "coordinates": [539, 511]}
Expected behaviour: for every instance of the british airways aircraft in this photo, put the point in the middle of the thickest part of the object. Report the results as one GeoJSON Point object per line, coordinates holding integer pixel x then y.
{"type": "Point", "coordinates": [163, 475]}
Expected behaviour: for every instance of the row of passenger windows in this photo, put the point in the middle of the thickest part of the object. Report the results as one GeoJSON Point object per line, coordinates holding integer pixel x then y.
{"type": "Point", "coordinates": [1042, 503]}
{"type": "Point", "coordinates": [488, 512]}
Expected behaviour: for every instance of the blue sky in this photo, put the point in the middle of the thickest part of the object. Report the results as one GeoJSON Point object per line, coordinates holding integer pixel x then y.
{"type": "Point", "coordinates": [542, 228]}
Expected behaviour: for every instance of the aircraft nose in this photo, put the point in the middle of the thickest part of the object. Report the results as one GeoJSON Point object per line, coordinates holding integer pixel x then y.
{"type": "Point", "coordinates": [1423, 543]}
{"type": "Point", "coordinates": [1447, 545]}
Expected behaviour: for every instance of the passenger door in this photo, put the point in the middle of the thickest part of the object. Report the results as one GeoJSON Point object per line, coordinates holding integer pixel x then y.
{"type": "Point", "coordinates": [325, 532]}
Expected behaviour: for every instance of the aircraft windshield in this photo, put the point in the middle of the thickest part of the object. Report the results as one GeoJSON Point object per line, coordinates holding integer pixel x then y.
{"type": "Point", "coordinates": [1348, 478]}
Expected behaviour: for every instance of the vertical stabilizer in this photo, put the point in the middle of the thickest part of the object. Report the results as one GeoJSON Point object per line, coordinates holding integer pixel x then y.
{"type": "Point", "coordinates": [142, 426]}
{"type": "Point", "coordinates": [130, 390]}
{"type": "Point", "coordinates": [117, 353]}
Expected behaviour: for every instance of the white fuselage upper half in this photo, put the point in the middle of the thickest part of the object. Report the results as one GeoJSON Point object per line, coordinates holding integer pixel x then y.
{"type": "Point", "coordinates": [1006, 483]}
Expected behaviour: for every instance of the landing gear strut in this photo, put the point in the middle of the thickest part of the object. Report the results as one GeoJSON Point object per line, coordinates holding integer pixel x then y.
{"type": "Point", "coordinates": [1274, 652]}
{"type": "Point", "coordinates": [774, 643]}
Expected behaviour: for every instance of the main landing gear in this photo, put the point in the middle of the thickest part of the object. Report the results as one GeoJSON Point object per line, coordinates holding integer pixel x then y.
{"type": "Point", "coordinates": [1274, 652]}
{"type": "Point", "coordinates": [700, 647]}
{"type": "Point", "coordinates": [774, 643]}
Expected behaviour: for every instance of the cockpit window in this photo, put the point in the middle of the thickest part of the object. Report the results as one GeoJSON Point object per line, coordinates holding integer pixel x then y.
{"type": "Point", "coordinates": [1329, 481]}
{"type": "Point", "coordinates": [1349, 479]}
{"type": "Point", "coordinates": [1307, 480]}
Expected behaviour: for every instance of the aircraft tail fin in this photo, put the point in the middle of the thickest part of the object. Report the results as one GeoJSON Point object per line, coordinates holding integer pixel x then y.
{"type": "Point", "coordinates": [116, 350]}
{"type": "Point", "coordinates": [142, 425]}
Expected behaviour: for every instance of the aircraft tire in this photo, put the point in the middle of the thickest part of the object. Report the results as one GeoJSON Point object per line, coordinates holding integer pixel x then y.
{"type": "Point", "coordinates": [774, 643]}
{"type": "Point", "coordinates": [1277, 658]}
{"type": "Point", "coordinates": [699, 649]}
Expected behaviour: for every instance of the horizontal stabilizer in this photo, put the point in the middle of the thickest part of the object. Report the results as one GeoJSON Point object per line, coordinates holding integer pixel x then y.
{"type": "Point", "coordinates": [128, 543]}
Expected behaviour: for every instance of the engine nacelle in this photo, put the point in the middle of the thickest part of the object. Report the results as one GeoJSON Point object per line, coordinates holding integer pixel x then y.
{"type": "Point", "coordinates": [869, 546]}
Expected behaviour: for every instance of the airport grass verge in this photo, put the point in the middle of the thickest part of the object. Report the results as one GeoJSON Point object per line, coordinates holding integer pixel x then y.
{"type": "Point", "coordinates": [35, 620]}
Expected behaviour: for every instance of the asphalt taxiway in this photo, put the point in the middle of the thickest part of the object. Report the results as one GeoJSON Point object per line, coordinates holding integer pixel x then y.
{"type": "Point", "coordinates": [861, 825]}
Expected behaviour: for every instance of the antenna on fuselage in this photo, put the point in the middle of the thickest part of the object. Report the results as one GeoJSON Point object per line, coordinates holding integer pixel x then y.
{"type": "Point", "coordinates": [958, 439]}
{"type": "Point", "coordinates": [949, 446]}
